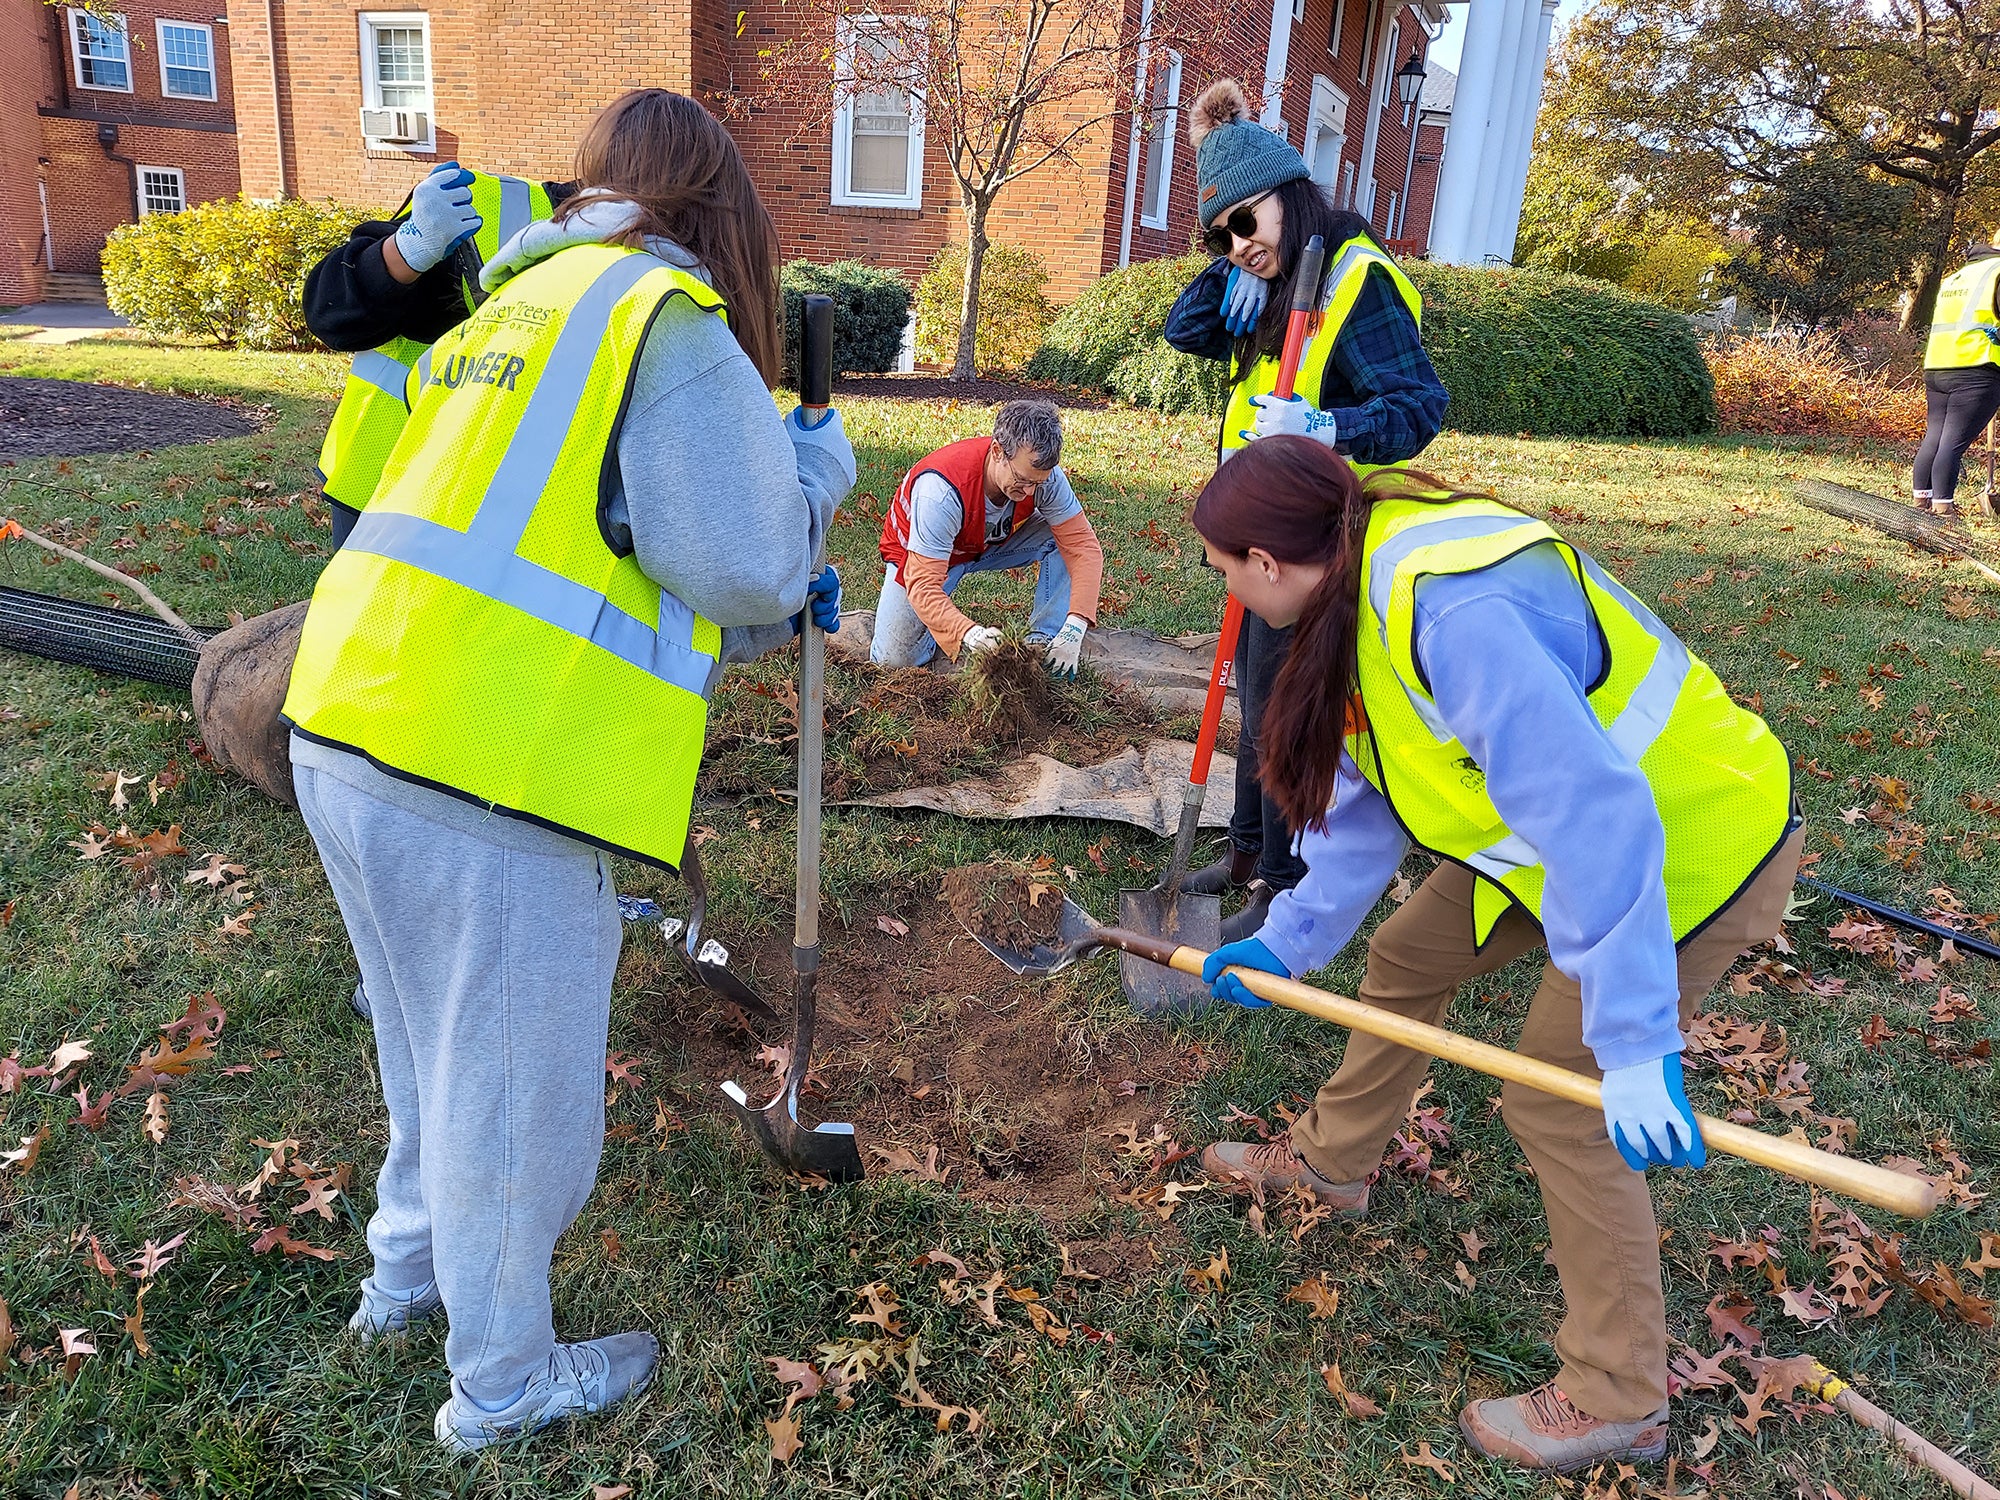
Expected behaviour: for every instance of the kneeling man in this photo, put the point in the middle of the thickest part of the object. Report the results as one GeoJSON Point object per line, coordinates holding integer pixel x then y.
{"type": "Point", "coordinates": [979, 504]}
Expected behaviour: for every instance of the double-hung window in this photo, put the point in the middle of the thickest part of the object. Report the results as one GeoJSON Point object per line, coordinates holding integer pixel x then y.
{"type": "Point", "coordinates": [1162, 119]}
{"type": "Point", "coordinates": [187, 59]}
{"type": "Point", "coordinates": [878, 124]}
{"type": "Point", "coordinates": [162, 190]}
{"type": "Point", "coordinates": [396, 80]}
{"type": "Point", "coordinates": [99, 48]}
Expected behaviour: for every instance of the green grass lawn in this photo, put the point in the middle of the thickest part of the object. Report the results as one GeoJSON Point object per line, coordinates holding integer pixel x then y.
{"type": "Point", "coordinates": [1871, 661]}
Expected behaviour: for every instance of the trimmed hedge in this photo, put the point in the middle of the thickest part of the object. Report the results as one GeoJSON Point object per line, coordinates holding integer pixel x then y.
{"type": "Point", "coordinates": [870, 308]}
{"type": "Point", "coordinates": [1109, 338]}
{"type": "Point", "coordinates": [1013, 307]}
{"type": "Point", "coordinates": [1559, 356]}
{"type": "Point", "coordinates": [230, 270]}
{"type": "Point", "coordinates": [1519, 351]}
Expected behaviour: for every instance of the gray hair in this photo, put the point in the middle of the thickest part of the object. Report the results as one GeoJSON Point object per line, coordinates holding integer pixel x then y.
{"type": "Point", "coordinates": [1036, 423]}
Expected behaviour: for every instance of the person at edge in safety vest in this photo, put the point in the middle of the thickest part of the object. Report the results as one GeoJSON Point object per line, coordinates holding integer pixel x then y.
{"type": "Point", "coordinates": [1961, 378]}
{"type": "Point", "coordinates": [393, 289]}
{"type": "Point", "coordinates": [1464, 680]}
{"type": "Point", "coordinates": [980, 504]}
{"type": "Point", "coordinates": [503, 679]}
{"type": "Point", "coordinates": [1365, 385]}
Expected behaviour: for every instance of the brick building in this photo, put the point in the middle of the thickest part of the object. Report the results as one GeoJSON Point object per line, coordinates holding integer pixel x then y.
{"type": "Point", "coordinates": [107, 118]}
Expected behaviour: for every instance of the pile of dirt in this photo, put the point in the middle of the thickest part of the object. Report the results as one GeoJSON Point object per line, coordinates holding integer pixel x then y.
{"type": "Point", "coordinates": [908, 727]}
{"type": "Point", "coordinates": [1010, 903]}
{"type": "Point", "coordinates": [47, 418]}
{"type": "Point", "coordinates": [948, 1067]}
{"type": "Point", "coordinates": [1008, 691]}
{"type": "Point", "coordinates": [935, 385]}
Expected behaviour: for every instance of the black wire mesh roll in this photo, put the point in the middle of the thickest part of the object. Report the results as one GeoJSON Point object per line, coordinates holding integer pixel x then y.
{"type": "Point", "coordinates": [90, 635]}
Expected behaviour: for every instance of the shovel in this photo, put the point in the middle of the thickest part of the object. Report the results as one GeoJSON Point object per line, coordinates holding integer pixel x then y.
{"type": "Point", "coordinates": [1166, 910]}
{"type": "Point", "coordinates": [825, 1151]}
{"type": "Point", "coordinates": [1082, 938]}
{"type": "Point", "coordinates": [708, 961]}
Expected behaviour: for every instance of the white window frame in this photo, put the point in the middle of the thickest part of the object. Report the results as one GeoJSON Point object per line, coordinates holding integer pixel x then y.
{"type": "Point", "coordinates": [1165, 126]}
{"type": "Point", "coordinates": [1329, 107]}
{"type": "Point", "coordinates": [160, 25]}
{"type": "Point", "coordinates": [1298, 10]}
{"type": "Point", "coordinates": [74, 19]}
{"type": "Point", "coordinates": [1371, 25]}
{"type": "Point", "coordinates": [369, 22]}
{"type": "Point", "coordinates": [842, 195]}
{"type": "Point", "coordinates": [180, 184]}
{"type": "Point", "coordinates": [1339, 25]}
{"type": "Point", "coordinates": [1389, 66]}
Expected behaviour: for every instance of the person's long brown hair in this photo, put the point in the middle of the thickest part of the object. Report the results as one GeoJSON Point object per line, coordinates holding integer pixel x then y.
{"type": "Point", "coordinates": [664, 152]}
{"type": "Point", "coordinates": [1301, 502]}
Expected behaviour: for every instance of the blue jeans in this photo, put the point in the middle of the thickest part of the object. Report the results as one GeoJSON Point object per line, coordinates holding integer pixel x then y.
{"type": "Point", "coordinates": [903, 640]}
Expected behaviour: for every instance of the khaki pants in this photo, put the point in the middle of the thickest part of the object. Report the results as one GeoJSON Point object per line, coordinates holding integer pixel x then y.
{"type": "Point", "coordinates": [1613, 1340]}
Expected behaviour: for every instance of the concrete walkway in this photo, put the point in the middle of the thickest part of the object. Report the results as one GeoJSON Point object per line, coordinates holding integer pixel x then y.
{"type": "Point", "coordinates": [63, 322]}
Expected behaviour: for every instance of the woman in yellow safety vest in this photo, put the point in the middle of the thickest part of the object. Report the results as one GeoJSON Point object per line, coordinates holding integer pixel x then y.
{"type": "Point", "coordinates": [1365, 387]}
{"type": "Point", "coordinates": [1465, 681]}
{"type": "Point", "coordinates": [503, 679]}
{"type": "Point", "coordinates": [1961, 378]}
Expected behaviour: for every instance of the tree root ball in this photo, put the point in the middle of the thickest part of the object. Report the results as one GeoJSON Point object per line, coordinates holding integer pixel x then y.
{"type": "Point", "coordinates": [1008, 691]}
{"type": "Point", "coordinates": [239, 688]}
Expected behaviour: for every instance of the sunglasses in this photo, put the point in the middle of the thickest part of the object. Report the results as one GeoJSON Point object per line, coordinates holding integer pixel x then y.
{"type": "Point", "coordinates": [1241, 224]}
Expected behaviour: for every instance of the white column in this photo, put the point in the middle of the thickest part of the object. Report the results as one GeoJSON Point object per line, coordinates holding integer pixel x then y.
{"type": "Point", "coordinates": [1276, 56]}
{"type": "Point", "coordinates": [1381, 88]}
{"type": "Point", "coordinates": [1521, 98]}
{"type": "Point", "coordinates": [1499, 112]}
{"type": "Point", "coordinates": [1458, 175]}
{"type": "Point", "coordinates": [1508, 220]}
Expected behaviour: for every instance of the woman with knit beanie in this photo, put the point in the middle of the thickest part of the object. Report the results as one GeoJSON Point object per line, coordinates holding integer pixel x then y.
{"type": "Point", "coordinates": [1365, 389]}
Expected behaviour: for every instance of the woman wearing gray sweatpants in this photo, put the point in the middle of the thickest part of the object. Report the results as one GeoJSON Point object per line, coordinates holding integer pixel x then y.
{"type": "Point", "coordinates": [484, 703]}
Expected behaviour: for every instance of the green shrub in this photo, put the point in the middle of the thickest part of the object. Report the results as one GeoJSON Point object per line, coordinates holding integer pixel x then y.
{"type": "Point", "coordinates": [231, 270]}
{"type": "Point", "coordinates": [1109, 339]}
{"type": "Point", "coordinates": [870, 309]}
{"type": "Point", "coordinates": [1558, 356]}
{"type": "Point", "coordinates": [1013, 307]}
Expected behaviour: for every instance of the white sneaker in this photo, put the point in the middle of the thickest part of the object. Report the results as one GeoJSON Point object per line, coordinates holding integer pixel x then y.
{"type": "Point", "coordinates": [390, 1314]}
{"type": "Point", "coordinates": [581, 1378]}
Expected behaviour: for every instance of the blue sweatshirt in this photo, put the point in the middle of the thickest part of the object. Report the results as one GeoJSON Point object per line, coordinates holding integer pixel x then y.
{"type": "Point", "coordinates": [1508, 652]}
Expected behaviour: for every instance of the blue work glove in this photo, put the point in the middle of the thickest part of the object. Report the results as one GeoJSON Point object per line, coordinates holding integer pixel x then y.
{"type": "Point", "coordinates": [1248, 954]}
{"type": "Point", "coordinates": [441, 217]}
{"type": "Point", "coordinates": [1243, 300]}
{"type": "Point", "coordinates": [1291, 416]}
{"type": "Point", "coordinates": [823, 599]}
{"type": "Point", "coordinates": [1646, 1110]}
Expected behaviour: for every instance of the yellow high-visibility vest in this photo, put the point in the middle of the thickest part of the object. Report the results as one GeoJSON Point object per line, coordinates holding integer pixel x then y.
{"type": "Point", "coordinates": [372, 409]}
{"type": "Point", "coordinates": [1342, 287]}
{"type": "Point", "coordinates": [1964, 329]}
{"type": "Point", "coordinates": [479, 633]}
{"type": "Point", "coordinates": [1721, 780]}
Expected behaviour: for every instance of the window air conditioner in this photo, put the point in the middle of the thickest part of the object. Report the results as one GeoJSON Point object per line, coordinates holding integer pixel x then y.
{"type": "Point", "coordinates": [395, 127]}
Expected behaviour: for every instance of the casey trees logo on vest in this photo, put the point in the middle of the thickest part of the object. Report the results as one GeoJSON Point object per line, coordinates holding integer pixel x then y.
{"type": "Point", "coordinates": [491, 368]}
{"type": "Point", "coordinates": [1469, 774]}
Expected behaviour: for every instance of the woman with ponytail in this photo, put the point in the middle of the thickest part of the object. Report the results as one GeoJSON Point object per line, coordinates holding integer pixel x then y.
{"type": "Point", "coordinates": [1463, 680]}
{"type": "Point", "coordinates": [1365, 389]}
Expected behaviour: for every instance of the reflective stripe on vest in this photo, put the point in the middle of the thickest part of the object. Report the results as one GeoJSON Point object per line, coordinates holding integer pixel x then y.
{"type": "Point", "coordinates": [1964, 330]}
{"type": "Point", "coordinates": [1720, 778]}
{"type": "Point", "coordinates": [373, 407]}
{"type": "Point", "coordinates": [1342, 288]}
{"type": "Point", "coordinates": [477, 633]}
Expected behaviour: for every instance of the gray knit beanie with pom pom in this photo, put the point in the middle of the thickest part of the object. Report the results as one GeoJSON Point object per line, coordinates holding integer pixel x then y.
{"type": "Point", "coordinates": [1235, 157]}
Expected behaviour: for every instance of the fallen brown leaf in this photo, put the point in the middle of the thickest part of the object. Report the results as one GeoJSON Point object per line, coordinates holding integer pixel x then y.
{"type": "Point", "coordinates": [1425, 1459]}
{"type": "Point", "coordinates": [1215, 1273]}
{"type": "Point", "coordinates": [135, 1323]}
{"type": "Point", "coordinates": [785, 1444]}
{"type": "Point", "coordinates": [155, 1126]}
{"type": "Point", "coordinates": [1316, 1294]}
{"type": "Point", "coordinates": [23, 1160]}
{"type": "Point", "coordinates": [1358, 1405]}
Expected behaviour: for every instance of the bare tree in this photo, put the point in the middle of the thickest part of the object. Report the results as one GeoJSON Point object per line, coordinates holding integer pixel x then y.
{"type": "Point", "coordinates": [1011, 86]}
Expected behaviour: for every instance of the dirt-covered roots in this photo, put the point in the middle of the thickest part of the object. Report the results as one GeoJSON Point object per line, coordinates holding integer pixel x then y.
{"type": "Point", "coordinates": [1013, 904]}
{"type": "Point", "coordinates": [1008, 691]}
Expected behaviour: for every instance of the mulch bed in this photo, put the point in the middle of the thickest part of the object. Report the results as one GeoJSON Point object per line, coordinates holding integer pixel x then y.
{"type": "Point", "coordinates": [925, 385]}
{"type": "Point", "coordinates": [61, 418]}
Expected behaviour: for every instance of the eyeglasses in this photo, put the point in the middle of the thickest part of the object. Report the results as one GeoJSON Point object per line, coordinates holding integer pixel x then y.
{"type": "Point", "coordinates": [1240, 225]}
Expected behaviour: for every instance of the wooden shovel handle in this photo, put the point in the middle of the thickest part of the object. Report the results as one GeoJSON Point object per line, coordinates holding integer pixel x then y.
{"type": "Point", "coordinates": [1830, 1388]}
{"type": "Point", "coordinates": [1909, 1196]}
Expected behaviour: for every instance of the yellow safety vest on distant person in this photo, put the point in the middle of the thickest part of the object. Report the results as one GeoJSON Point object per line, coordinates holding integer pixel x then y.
{"type": "Point", "coordinates": [1721, 780]}
{"type": "Point", "coordinates": [372, 410]}
{"type": "Point", "coordinates": [478, 632]}
{"type": "Point", "coordinates": [1342, 288]}
{"type": "Point", "coordinates": [1964, 328]}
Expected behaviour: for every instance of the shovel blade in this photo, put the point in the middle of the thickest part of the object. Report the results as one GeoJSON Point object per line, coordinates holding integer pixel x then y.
{"type": "Point", "coordinates": [1194, 922]}
{"type": "Point", "coordinates": [827, 1150]}
{"type": "Point", "coordinates": [1039, 960]}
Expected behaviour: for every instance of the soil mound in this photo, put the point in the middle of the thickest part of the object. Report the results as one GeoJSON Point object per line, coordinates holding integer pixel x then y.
{"type": "Point", "coordinates": [1012, 904]}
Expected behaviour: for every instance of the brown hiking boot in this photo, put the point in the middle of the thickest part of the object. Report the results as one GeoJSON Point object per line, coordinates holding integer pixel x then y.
{"type": "Point", "coordinates": [1273, 1166]}
{"type": "Point", "coordinates": [1545, 1430]}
